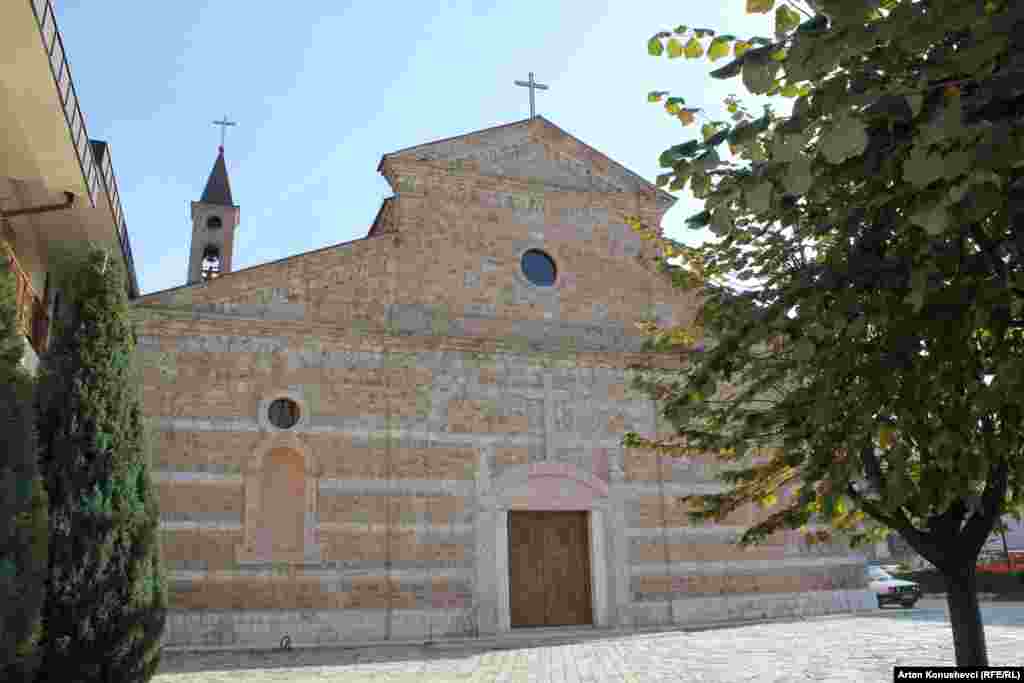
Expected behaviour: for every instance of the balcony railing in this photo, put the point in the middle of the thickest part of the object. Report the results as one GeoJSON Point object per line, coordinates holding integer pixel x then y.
{"type": "Point", "coordinates": [98, 174]}
{"type": "Point", "coordinates": [31, 318]}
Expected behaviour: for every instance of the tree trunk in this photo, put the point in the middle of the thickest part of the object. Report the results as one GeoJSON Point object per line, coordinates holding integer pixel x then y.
{"type": "Point", "coordinates": [1006, 551]}
{"type": "Point", "coordinates": [965, 616]}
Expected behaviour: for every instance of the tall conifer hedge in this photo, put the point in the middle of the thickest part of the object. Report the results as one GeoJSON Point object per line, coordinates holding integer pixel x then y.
{"type": "Point", "coordinates": [106, 600]}
{"type": "Point", "coordinates": [23, 506]}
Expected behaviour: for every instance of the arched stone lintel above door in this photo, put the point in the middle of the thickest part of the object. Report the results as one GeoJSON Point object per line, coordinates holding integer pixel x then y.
{"type": "Point", "coordinates": [549, 486]}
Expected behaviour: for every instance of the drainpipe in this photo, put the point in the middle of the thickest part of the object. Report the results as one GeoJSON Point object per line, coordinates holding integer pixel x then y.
{"type": "Point", "coordinates": [69, 200]}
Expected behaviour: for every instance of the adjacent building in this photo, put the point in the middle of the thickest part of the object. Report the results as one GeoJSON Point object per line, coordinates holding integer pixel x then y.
{"type": "Point", "coordinates": [57, 186]}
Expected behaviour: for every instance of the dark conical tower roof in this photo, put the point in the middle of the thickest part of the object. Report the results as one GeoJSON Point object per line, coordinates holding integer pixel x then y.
{"type": "Point", "coordinates": [218, 189]}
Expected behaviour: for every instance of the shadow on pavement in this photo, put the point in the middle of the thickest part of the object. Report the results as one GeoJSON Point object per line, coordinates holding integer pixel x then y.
{"type": "Point", "coordinates": [927, 611]}
{"type": "Point", "coordinates": [935, 611]}
{"type": "Point", "coordinates": [194, 661]}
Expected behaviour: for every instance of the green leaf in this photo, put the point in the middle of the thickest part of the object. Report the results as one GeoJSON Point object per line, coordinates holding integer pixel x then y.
{"type": "Point", "coordinates": [847, 137]}
{"type": "Point", "coordinates": [675, 48]}
{"type": "Point", "coordinates": [654, 47]}
{"type": "Point", "coordinates": [815, 24]}
{"type": "Point", "coordinates": [663, 179]}
{"type": "Point", "coordinates": [760, 6]}
{"type": "Point", "coordinates": [759, 198]}
{"type": "Point", "coordinates": [104, 440]}
{"type": "Point", "coordinates": [946, 122]}
{"type": "Point", "coordinates": [786, 20]}
{"type": "Point", "coordinates": [759, 75]}
{"type": "Point", "coordinates": [787, 148]}
{"type": "Point", "coordinates": [707, 161]}
{"type": "Point", "coordinates": [693, 49]}
{"type": "Point", "coordinates": [934, 220]}
{"type": "Point", "coordinates": [719, 48]}
{"type": "Point", "coordinates": [790, 90]}
{"type": "Point", "coordinates": [707, 130]}
{"type": "Point", "coordinates": [915, 102]}
{"type": "Point", "coordinates": [754, 151]}
{"type": "Point", "coordinates": [739, 47]}
{"type": "Point", "coordinates": [721, 221]}
{"type": "Point", "coordinates": [680, 30]}
{"type": "Point", "coordinates": [718, 138]}
{"type": "Point", "coordinates": [656, 95]}
{"type": "Point", "coordinates": [730, 70]}
{"type": "Point", "coordinates": [979, 176]}
{"type": "Point", "coordinates": [798, 178]}
{"type": "Point", "coordinates": [956, 163]}
{"type": "Point", "coordinates": [957, 192]}
{"type": "Point", "coordinates": [804, 350]}
{"type": "Point", "coordinates": [700, 185]}
{"type": "Point", "coordinates": [828, 505]}
{"type": "Point", "coordinates": [919, 289]}
{"type": "Point", "coordinates": [921, 168]}
{"type": "Point", "coordinates": [698, 220]}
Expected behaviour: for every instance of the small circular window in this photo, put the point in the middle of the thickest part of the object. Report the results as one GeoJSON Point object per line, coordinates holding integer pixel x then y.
{"type": "Point", "coordinates": [539, 268]}
{"type": "Point", "coordinates": [283, 413]}
{"type": "Point", "coordinates": [213, 222]}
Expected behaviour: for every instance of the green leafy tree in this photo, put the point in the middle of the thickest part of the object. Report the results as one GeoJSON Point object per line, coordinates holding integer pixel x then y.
{"type": "Point", "coordinates": [106, 600]}
{"type": "Point", "coordinates": [863, 297]}
{"type": "Point", "coordinates": [23, 505]}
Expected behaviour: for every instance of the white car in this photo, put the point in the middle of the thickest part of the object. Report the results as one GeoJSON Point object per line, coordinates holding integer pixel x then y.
{"type": "Point", "coordinates": [888, 589]}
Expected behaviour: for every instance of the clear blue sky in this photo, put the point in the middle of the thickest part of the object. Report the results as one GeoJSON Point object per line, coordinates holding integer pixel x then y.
{"type": "Point", "coordinates": [321, 90]}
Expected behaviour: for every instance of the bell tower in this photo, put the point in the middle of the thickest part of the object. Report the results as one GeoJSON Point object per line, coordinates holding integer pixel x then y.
{"type": "Point", "coordinates": [214, 221]}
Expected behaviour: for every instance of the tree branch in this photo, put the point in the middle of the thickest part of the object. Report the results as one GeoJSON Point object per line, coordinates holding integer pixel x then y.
{"type": "Point", "coordinates": [918, 540]}
{"type": "Point", "coordinates": [872, 467]}
{"type": "Point", "coordinates": [979, 526]}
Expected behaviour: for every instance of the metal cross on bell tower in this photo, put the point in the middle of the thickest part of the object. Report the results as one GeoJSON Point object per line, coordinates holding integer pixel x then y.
{"type": "Point", "coordinates": [532, 85]}
{"type": "Point", "coordinates": [223, 123]}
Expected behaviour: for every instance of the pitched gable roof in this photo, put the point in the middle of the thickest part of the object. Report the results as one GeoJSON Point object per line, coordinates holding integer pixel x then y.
{"type": "Point", "coordinates": [218, 188]}
{"type": "Point", "coordinates": [516, 150]}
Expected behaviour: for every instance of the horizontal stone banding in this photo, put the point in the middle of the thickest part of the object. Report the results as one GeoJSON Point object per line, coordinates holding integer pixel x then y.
{"type": "Point", "coordinates": [283, 592]}
{"type": "Point", "coordinates": [840, 564]}
{"type": "Point", "coordinates": [676, 587]}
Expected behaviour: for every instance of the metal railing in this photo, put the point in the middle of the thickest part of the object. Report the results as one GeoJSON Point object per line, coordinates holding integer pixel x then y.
{"type": "Point", "coordinates": [30, 310]}
{"type": "Point", "coordinates": [93, 173]}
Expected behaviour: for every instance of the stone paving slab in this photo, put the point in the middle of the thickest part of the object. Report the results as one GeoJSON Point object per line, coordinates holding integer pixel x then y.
{"type": "Point", "coordinates": [847, 648]}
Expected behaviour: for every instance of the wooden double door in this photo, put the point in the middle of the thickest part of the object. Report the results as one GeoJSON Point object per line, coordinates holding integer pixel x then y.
{"type": "Point", "coordinates": [549, 568]}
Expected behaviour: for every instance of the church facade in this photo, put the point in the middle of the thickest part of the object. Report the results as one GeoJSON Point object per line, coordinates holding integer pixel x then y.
{"type": "Point", "coordinates": [417, 435]}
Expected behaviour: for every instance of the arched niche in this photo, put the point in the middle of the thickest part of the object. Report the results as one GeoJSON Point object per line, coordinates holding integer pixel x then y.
{"type": "Point", "coordinates": [281, 480]}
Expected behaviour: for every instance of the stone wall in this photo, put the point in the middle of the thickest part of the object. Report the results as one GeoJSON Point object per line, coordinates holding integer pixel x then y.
{"type": "Point", "coordinates": [437, 390]}
{"type": "Point", "coordinates": [403, 493]}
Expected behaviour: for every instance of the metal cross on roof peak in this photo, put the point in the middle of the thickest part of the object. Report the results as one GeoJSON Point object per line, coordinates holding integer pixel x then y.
{"type": "Point", "coordinates": [532, 85]}
{"type": "Point", "coordinates": [223, 123]}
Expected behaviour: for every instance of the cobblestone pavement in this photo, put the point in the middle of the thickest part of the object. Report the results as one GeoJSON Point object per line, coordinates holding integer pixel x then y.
{"type": "Point", "coordinates": [845, 648]}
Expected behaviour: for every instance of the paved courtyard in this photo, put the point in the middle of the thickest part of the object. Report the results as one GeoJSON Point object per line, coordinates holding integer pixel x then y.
{"type": "Point", "coordinates": [847, 648]}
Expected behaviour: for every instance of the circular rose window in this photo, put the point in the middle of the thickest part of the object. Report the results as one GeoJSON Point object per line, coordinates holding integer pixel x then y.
{"type": "Point", "coordinates": [283, 413]}
{"type": "Point", "coordinates": [539, 268]}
